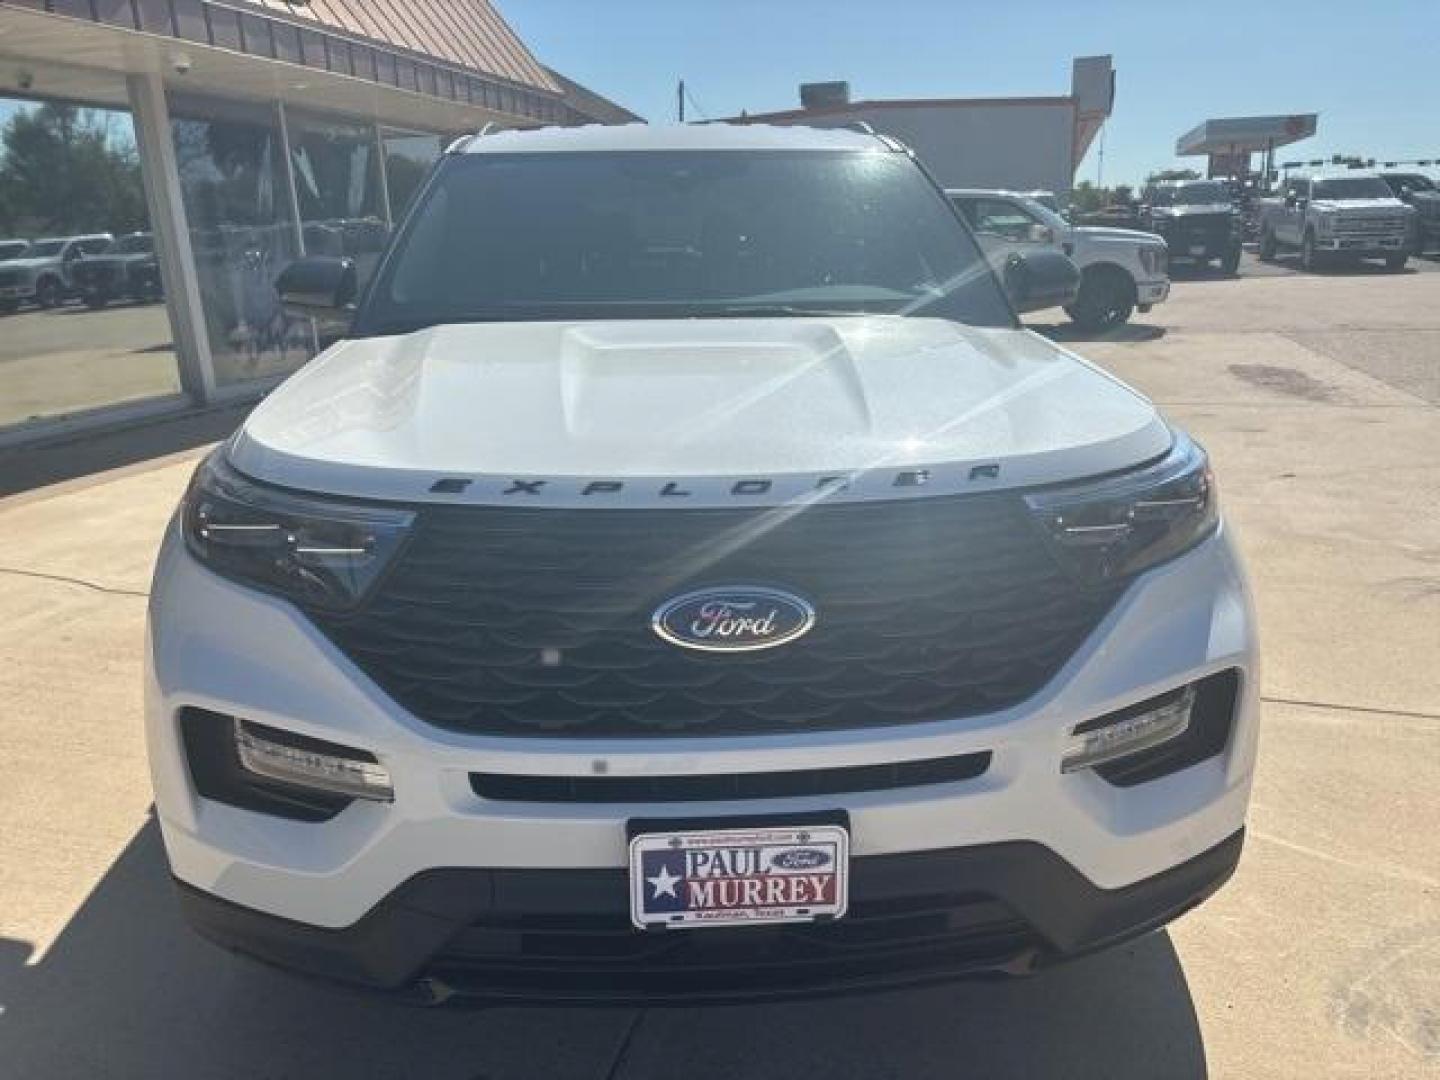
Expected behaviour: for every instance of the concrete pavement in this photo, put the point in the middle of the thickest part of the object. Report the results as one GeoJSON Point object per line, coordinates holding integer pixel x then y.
{"type": "Point", "coordinates": [1321, 959]}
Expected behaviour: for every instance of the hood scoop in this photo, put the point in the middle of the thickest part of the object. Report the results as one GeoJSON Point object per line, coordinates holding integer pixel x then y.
{"type": "Point", "coordinates": [701, 378]}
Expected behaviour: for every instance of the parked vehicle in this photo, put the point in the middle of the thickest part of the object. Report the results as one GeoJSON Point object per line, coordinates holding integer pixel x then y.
{"type": "Point", "coordinates": [44, 273]}
{"type": "Point", "coordinates": [1045, 198]}
{"type": "Point", "coordinates": [687, 536]}
{"type": "Point", "coordinates": [1120, 269]}
{"type": "Point", "coordinates": [1115, 216]}
{"type": "Point", "coordinates": [13, 249]}
{"type": "Point", "coordinates": [1198, 219]}
{"type": "Point", "coordinates": [127, 269]}
{"type": "Point", "coordinates": [1423, 194]}
{"type": "Point", "coordinates": [1349, 215]}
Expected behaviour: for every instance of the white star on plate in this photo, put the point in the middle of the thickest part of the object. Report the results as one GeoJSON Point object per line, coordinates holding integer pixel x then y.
{"type": "Point", "coordinates": [665, 883]}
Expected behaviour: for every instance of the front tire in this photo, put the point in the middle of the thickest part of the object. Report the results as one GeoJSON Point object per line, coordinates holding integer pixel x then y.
{"type": "Point", "coordinates": [1230, 261]}
{"type": "Point", "coordinates": [1106, 300]}
{"type": "Point", "coordinates": [1268, 246]}
{"type": "Point", "coordinates": [48, 293]}
{"type": "Point", "coordinates": [1309, 257]}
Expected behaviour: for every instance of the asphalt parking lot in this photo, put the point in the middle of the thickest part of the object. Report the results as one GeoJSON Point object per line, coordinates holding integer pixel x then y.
{"type": "Point", "coordinates": [1319, 399]}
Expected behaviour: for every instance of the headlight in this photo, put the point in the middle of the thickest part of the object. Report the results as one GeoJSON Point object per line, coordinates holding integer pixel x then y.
{"type": "Point", "coordinates": [1152, 259]}
{"type": "Point", "coordinates": [1119, 526]}
{"type": "Point", "coordinates": [313, 551]}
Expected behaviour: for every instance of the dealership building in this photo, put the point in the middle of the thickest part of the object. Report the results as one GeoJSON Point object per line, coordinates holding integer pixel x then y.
{"type": "Point", "coordinates": [1020, 143]}
{"type": "Point", "coordinates": [219, 140]}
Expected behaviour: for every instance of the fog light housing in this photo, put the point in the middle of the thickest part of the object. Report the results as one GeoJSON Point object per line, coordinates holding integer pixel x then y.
{"type": "Point", "coordinates": [1129, 731]}
{"type": "Point", "coordinates": [282, 757]}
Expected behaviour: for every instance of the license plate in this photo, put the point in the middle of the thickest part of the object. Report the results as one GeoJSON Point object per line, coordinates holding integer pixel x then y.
{"type": "Point", "coordinates": [725, 877]}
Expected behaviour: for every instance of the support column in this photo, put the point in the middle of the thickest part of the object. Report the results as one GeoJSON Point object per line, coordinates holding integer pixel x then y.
{"type": "Point", "coordinates": [384, 176]}
{"type": "Point", "coordinates": [172, 235]}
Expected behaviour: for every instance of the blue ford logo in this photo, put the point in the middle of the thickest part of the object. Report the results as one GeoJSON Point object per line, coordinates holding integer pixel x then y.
{"type": "Point", "coordinates": [738, 619]}
{"type": "Point", "coordinates": [804, 858]}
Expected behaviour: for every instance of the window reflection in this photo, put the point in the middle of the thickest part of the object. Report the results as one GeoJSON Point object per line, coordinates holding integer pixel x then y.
{"type": "Point", "coordinates": [232, 180]}
{"type": "Point", "coordinates": [81, 325]}
{"type": "Point", "coordinates": [407, 161]}
{"type": "Point", "coordinates": [337, 187]}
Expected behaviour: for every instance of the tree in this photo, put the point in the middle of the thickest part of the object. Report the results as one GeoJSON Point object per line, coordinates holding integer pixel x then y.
{"type": "Point", "coordinates": [61, 173]}
{"type": "Point", "coordinates": [1172, 174]}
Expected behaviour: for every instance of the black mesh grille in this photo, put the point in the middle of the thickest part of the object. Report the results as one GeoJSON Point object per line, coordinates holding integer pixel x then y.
{"type": "Point", "coordinates": [512, 621]}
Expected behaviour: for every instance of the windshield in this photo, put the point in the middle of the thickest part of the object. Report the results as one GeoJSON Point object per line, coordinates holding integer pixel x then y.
{"type": "Point", "coordinates": [1398, 182]}
{"type": "Point", "coordinates": [680, 234]}
{"type": "Point", "coordinates": [134, 245]}
{"type": "Point", "coordinates": [1205, 193]}
{"type": "Point", "coordinates": [1352, 187]}
{"type": "Point", "coordinates": [43, 249]}
{"type": "Point", "coordinates": [1045, 214]}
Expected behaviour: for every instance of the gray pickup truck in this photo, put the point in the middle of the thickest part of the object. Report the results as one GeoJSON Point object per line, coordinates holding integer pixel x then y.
{"type": "Point", "coordinates": [1346, 215]}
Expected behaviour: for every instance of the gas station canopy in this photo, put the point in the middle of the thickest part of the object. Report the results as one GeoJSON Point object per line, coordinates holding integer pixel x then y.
{"type": "Point", "coordinates": [1245, 134]}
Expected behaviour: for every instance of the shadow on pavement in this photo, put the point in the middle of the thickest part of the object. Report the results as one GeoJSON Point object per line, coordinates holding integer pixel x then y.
{"type": "Point", "coordinates": [1068, 331]}
{"type": "Point", "coordinates": [1342, 268]}
{"type": "Point", "coordinates": [127, 991]}
{"type": "Point", "coordinates": [1186, 271]}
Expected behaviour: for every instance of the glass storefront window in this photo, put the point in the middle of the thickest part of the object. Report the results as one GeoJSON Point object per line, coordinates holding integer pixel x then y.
{"type": "Point", "coordinates": [233, 184]}
{"type": "Point", "coordinates": [337, 187]}
{"type": "Point", "coordinates": [82, 324]}
{"type": "Point", "coordinates": [407, 161]}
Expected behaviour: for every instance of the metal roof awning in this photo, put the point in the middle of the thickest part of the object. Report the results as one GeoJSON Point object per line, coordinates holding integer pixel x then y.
{"type": "Point", "coordinates": [330, 57]}
{"type": "Point", "coordinates": [1245, 134]}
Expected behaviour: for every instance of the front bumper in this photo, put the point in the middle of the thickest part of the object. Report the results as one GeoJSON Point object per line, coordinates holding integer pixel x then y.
{"type": "Point", "coordinates": [1150, 293]}
{"type": "Point", "coordinates": [218, 646]}
{"type": "Point", "coordinates": [564, 936]}
{"type": "Point", "coordinates": [1363, 246]}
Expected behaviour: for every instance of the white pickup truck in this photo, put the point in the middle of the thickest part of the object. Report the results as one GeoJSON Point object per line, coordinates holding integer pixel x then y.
{"type": "Point", "coordinates": [1120, 269]}
{"type": "Point", "coordinates": [1349, 215]}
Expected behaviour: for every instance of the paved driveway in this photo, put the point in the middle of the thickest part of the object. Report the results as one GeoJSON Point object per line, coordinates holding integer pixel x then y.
{"type": "Point", "coordinates": [1316, 395]}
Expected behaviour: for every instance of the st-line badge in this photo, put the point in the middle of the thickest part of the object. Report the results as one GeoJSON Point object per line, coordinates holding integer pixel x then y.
{"type": "Point", "coordinates": [736, 618]}
{"type": "Point", "coordinates": [686, 880]}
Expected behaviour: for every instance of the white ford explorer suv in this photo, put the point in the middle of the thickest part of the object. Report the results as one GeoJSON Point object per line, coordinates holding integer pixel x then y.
{"type": "Point", "coordinates": [1120, 269]}
{"type": "Point", "coordinates": [686, 579]}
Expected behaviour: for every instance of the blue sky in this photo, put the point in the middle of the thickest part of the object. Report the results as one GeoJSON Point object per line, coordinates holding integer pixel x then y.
{"type": "Point", "coordinates": [1370, 68]}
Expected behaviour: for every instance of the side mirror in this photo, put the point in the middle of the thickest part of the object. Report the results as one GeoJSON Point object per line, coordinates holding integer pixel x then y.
{"type": "Point", "coordinates": [320, 286]}
{"type": "Point", "coordinates": [1040, 279]}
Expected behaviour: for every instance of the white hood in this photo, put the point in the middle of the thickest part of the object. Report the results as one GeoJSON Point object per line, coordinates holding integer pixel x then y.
{"type": "Point", "coordinates": [1105, 232]}
{"type": "Point", "coordinates": [774, 405]}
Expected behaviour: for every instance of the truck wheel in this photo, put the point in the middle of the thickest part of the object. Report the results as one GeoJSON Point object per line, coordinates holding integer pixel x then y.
{"type": "Point", "coordinates": [1309, 257]}
{"type": "Point", "coordinates": [1268, 247]}
{"type": "Point", "coordinates": [1397, 262]}
{"type": "Point", "coordinates": [1106, 299]}
{"type": "Point", "coordinates": [48, 293]}
{"type": "Point", "coordinates": [1230, 261]}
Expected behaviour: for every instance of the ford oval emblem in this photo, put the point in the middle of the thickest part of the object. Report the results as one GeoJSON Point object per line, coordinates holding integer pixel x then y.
{"type": "Point", "coordinates": [804, 858]}
{"type": "Point", "coordinates": [736, 619]}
